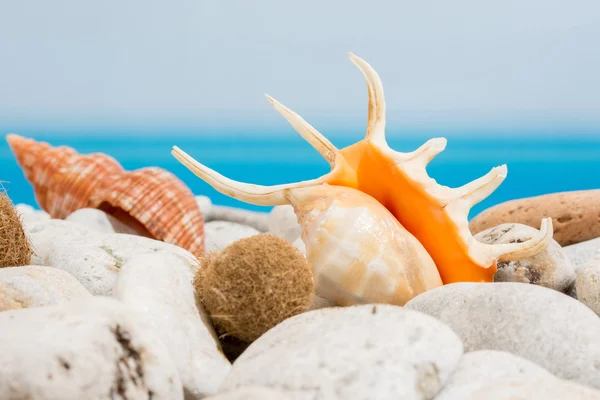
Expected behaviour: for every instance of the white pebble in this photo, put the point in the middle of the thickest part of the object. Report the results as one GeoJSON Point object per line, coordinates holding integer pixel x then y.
{"type": "Point", "coordinates": [282, 222]}
{"type": "Point", "coordinates": [99, 221]}
{"type": "Point", "coordinates": [36, 286]}
{"type": "Point", "coordinates": [588, 284]}
{"type": "Point", "coordinates": [85, 349]}
{"type": "Point", "coordinates": [157, 286]}
{"type": "Point", "coordinates": [539, 324]}
{"type": "Point", "coordinates": [359, 352]}
{"type": "Point", "coordinates": [220, 234]}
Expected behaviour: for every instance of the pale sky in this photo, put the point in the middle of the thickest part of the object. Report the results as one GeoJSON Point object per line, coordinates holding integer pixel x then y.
{"type": "Point", "coordinates": [147, 64]}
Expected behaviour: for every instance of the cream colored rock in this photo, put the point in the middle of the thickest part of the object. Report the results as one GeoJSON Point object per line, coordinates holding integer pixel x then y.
{"type": "Point", "coordinates": [35, 286]}
{"type": "Point", "coordinates": [205, 204]}
{"type": "Point", "coordinates": [254, 219]}
{"type": "Point", "coordinates": [86, 349]}
{"type": "Point", "coordinates": [356, 352]}
{"type": "Point", "coordinates": [534, 389]}
{"type": "Point", "coordinates": [94, 259]}
{"type": "Point", "coordinates": [251, 393]}
{"type": "Point", "coordinates": [581, 253]}
{"type": "Point", "coordinates": [588, 284]}
{"type": "Point", "coordinates": [282, 222]}
{"type": "Point", "coordinates": [157, 287]}
{"type": "Point", "coordinates": [539, 324]}
{"type": "Point", "coordinates": [574, 215]}
{"type": "Point", "coordinates": [550, 268]}
{"type": "Point", "coordinates": [99, 221]}
{"type": "Point", "coordinates": [220, 234]}
{"type": "Point", "coordinates": [29, 214]}
{"type": "Point", "coordinates": [299, 244]}
{"type": "Point", "coordinates": [478, 369]}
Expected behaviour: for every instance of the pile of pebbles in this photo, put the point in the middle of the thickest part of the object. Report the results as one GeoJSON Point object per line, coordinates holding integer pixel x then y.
{"type": "Point", "coordinates": [104, 314]}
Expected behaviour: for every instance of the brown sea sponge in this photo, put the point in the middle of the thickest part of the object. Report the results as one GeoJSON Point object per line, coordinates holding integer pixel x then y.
{"type": "Point", "coordinates": [254, 284]}
{"type": "Point", "coordinates": [15, 249]}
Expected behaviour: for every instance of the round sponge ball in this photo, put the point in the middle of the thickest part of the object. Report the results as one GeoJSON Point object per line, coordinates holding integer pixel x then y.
{"type": "Point", "coordinates": [254, 284]}
{"type": "Point", "coordinates": [15, 250]}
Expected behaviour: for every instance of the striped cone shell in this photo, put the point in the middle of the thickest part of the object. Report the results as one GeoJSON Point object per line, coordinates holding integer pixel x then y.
{"type": "Point", "coordinates": [151, 200]}
{"type": "Point", "coordinates": [62, 179]}
{"type": "Point", "coordinates": [159, 201]}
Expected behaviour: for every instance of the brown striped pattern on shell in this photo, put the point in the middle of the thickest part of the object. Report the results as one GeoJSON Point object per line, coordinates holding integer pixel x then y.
{"type": "Point", "coordinates": [151, 200]}
{"type": "Point", "coordinates": [62, 179]}
{"type": "Point", "coordinates": [158, 200]}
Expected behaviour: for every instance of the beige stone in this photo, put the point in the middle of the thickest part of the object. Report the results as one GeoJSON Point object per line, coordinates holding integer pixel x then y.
{"type": "Point", "coordinates": [575, 215]}
{"type": "Point", "coordinates": [36, 286]}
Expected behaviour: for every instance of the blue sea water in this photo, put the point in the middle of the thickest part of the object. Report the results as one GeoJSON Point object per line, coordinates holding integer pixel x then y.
{"type": "Point", "coordinates": [536, 164]}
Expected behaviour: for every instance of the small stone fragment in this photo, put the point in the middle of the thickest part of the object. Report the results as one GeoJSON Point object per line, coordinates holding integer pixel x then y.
{"type": "Point", "coordinates": [220, 234]}
{"type": "Point", "coordinates": [574, 215]}
{"type": "Point", "coordinates": [478, 369]}
{"type": "Point", "coordinates": [36, 286]}
{"type": "Point", "coordinates": [534, 389]}
{"type": "Point", "coordinates": [254, 219]}
{"type": "Point", "coordinates": [157, 286]}
{"type": "Point", "coordinates": [550, 268]}
{"type": "Point", "coordinates": [588, 285]}
{"type": "Point", "coordinates": [356, 352]}
{"type": "Point", "coordinates": [84, 349]}
{"type": "Point", "coordinates": [581, 253]}
{"type": "Point", "coordinates": [205, 204]}
{"type": "Point", "coordinates": [94, 259]}
{"type": "Point", "coordinates": [282, 222]}
{"type": "Point", "coordinates": [250, 393]}
{"type": "Point", "coordinates": [99, 221]}
{"type": "Point", "coordinates": [542, 325]}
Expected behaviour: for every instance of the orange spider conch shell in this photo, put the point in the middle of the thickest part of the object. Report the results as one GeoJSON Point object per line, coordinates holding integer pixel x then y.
{"type": "Point", "coordinates": [436, 215]}
{"type": "Point", "coordinates": [151, 201]}
{"type": "Point", "coordinates": [358, 251]}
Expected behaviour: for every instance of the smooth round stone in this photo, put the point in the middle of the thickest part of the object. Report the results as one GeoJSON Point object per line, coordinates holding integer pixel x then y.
{"type": "Point", "coordinates": [539, 324]}
{"type": "Point", "coordinates": [250, 393]}
{"type": "Point", "coordinates": [588, 285]}
{"type": "Point", "coordinates": [158, 287]}
{"type": "Point", "coordinates": [282, 222]}
{"type": "Point", "coordinates": [299, 244]}
{"type": "Point", "coordinates": [574, 214]}
{"type": "Point", "coordinates": [36, 286]}
{"type": "Point", "coordinates": [205, 204]}
{"type": "Point", "coordinates": [478, 369]}
{"type": "Point", "coordinates": [30, 215]}
{"type": "Point", "coordinates": [550, 268]}
{"type": "Point", "coordinates": [99, 221]}
{"type": "Point", "coordinates": [533, 389]}
{"type": "Point", "coordinates": [85, 349]}
{"type": "Point", "coordinates": [357, 352]}
{"type": "Point", "coordinates": [220, 234]}
{"type": "Point", "coordinates": [581, 253]}
{"type": "Point", "coordinates": [94, 259]}
{"type": "Point", "coordinates": [254, 219]}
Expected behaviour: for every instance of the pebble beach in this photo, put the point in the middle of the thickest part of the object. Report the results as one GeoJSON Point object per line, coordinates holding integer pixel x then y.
{"type": "Point", "coordinates": [104, 313]}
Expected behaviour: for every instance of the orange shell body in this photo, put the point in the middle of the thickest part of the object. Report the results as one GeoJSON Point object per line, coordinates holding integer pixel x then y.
{"type": "Point", "coordinates": [151, 200]}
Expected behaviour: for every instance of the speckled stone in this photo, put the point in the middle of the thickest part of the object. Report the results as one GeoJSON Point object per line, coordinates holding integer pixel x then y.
{"type": "Point", "coordinates": [356, 352]}
{"type": "Point", "coordinates": [254, 219]}
{"type": "Point", "coordinates": [84, 349]}
{"type": "Point", "coordinates": [588, 284]}
{"type": "Point", "coordinates": [550, 268]}
{"type": "Point", "coordinates": [575, 215]}
{"type": "Point", "coordinates": [539, 324]}
{"type": "Point", "coordinates": [250, 393]}
{"type": "Point", "coordinates": [36, 286]}
{"type": "Point", "coordinates": [220, 234]}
